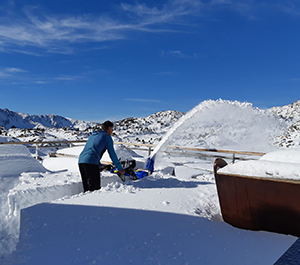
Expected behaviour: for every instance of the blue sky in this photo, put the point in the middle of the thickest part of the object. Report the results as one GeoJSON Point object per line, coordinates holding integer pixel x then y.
{"type": "Point", "coordinates": [96, 60]}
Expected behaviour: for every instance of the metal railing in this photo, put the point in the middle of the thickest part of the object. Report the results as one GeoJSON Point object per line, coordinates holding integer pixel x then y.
{"type": "Point", "coordinates": [178, 150]}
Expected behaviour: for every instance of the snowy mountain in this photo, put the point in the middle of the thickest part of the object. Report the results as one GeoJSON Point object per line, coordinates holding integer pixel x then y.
{"type": "Point", "coordinates": [288, 112]}
{"type": "Point", "coordinates": [49, 127]}
{"type": "Point", "coordinates": [10, 119]}
{"type": "Point", "coordinates": [220, 124]}
{"type": "Point", "coordinates": [146, 130]}
{"type": "Point", "coordinates": [291, 114]}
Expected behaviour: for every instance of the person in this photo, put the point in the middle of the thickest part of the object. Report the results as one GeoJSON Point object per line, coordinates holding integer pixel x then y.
{"type": "Point", "coordinates": [89, 159]}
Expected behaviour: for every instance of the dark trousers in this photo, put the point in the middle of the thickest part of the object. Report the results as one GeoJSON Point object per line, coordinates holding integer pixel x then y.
{"type": "Point", "coordinates": [90, 176]}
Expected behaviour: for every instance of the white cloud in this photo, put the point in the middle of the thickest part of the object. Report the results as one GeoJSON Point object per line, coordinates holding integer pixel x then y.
{"type": "Point", "coordinates": [178, 54]}
{"type": "Point", "coordinates": [41, 82]}
{"type": "Point", "coordinates": [10, 72]}
{"type": "Point", "coordinates": [58, 34]}
{"type": "Point", "coordinates": [15, 70]}
{"type": "Point", "coordinates": [33, 32]}
{"type": "Point", "coordinates": [21, 51]}
{"type": "Point", "coordinates": [4, 74]}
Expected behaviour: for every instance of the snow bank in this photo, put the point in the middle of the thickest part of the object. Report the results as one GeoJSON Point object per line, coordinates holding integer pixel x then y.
{"type": "Point", "coordinates": [32, 189]}
{"type": "Point", "coordinates": [15, 159]}
{"type": "Point", "coordinates": [25, 182]}
{"type": "Point", "coordinates": [282, 164]}
{"type": "Point", "coordinates": [37, 188]}
{"type": "Point", "coordinates": [73, 234]}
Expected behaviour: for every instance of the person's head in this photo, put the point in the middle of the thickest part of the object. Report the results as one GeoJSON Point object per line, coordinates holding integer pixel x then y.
{"type": "Point", "coordinates": [108, 126]}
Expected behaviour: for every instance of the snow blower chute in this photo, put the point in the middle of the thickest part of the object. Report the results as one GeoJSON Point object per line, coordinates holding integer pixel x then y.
{"type": "Point", "coordinates": [141, 173]}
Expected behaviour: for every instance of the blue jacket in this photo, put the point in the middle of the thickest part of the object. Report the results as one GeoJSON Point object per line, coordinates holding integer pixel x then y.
{"type": "Point", "coordinates": [95, 147]}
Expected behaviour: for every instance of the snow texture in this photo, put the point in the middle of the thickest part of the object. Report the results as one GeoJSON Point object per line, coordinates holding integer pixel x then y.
{"type": "Point", "coordinates": [10, 119]}
{"type": "Point", "coordinates": [165, 218]}
{"type": "Point", "coordinates": [282, 164]}
{"type": "Point", "coordinates": [15, 159]}
{"type": "Point", "coordinates": [79, 234]}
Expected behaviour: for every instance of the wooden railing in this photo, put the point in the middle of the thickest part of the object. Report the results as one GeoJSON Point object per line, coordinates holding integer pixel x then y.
{"type": "Point", "coordinates": [205, 152]}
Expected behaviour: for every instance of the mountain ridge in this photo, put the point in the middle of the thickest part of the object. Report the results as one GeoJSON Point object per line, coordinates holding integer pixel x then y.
{"type": "Point", "coordinates": [151, 129]}
{"type": "Point", "coordinates": [19, 120]}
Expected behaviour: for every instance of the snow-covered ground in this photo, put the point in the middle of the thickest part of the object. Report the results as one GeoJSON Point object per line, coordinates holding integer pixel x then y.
{"type": "Point", "coordinates": [161, 219]}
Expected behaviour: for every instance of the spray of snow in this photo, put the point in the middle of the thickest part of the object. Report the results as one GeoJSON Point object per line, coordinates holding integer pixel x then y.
{"type": "Point", "coordinates": [179, 123]}
{"type": "Point", "coordinates": [225, 124]}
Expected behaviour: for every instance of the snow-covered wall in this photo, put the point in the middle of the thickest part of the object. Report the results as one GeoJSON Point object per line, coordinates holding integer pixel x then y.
{"type": "Point", "coordinates": [25, 182]}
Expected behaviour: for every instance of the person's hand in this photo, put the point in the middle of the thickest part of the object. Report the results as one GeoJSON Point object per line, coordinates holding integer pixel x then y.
{"type": "Point", "coordinates": [120, 174]}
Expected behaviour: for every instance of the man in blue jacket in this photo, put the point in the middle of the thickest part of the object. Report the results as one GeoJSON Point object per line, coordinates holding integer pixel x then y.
{"type": "Point", "coordinates": [89, 159]}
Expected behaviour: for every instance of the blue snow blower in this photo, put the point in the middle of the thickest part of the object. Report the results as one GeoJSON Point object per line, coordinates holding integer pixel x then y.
{"type": "Point", "coordinates": [129, 165]}
{"type": "Point", "coordinates": [141, 173]}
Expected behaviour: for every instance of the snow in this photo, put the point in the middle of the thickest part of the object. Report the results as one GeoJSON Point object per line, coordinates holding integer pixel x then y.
{"type": "Point", "coordinates": [280, 164]}
{"type": "Point", "coordinates": [106, 235]}
{"type": "Point", "coordinates": [227, 125]}
{"type": "Point", "coordinates": [15, 159]}
{"type": "Point", "coordinates": [21, 120]}
{"type": "Point", "coordinates": [161, 219]}
{"type": "Point", "coordinates": [291, 155]}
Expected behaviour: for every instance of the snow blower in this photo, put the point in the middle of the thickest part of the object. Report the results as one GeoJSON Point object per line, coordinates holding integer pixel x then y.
{"type": "Point", "coordinates": [129, 167]}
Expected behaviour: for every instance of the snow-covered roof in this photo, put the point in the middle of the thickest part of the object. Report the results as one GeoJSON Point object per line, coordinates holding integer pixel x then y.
{"type": "Point", "coordinates": [281, 164]}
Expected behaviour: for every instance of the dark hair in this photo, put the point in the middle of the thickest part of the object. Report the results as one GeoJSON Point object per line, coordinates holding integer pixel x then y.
{"type": "Point", "coordinates": [106, 125]}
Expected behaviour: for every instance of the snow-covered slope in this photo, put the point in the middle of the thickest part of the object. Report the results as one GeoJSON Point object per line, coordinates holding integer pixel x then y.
{"type": "Point", "coordinates": [146, 130]}
{"type": "Point", "coordinates": [291, 114]}
{"type": "Point", "coordinates": [10, 119]}
{"type": "Point", "coordinates": [220, 123]}
{"type": "Point", "coordinates": [288, 112]}
{"type": "Point", "coordinates": [215, 123]}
